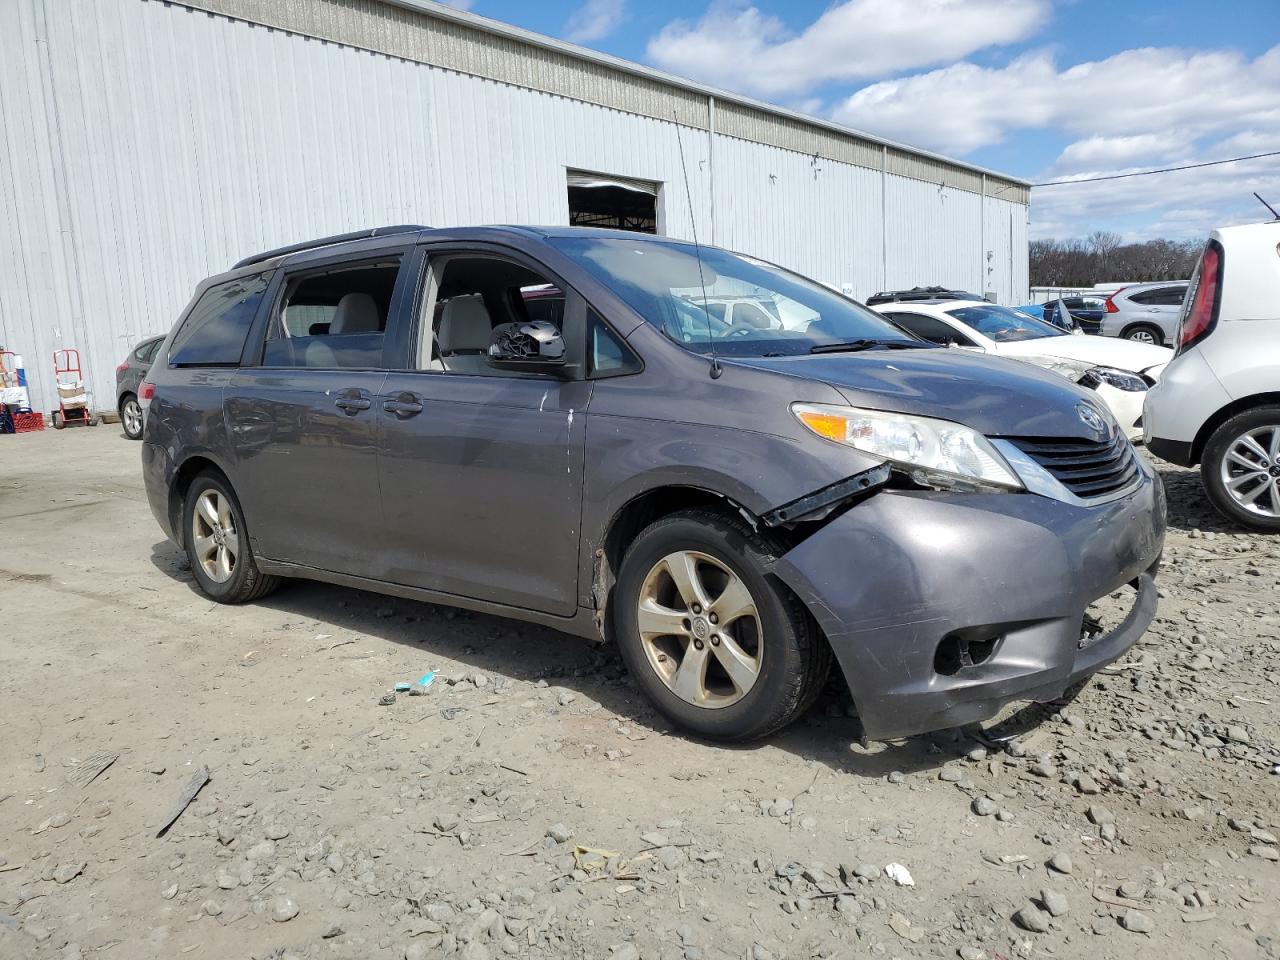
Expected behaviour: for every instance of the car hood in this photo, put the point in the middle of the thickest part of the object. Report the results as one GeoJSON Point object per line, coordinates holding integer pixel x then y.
{"type": "Point", "coordinates": [995, 396]}
{"type": "Point", "coordinates": [1100, 351]}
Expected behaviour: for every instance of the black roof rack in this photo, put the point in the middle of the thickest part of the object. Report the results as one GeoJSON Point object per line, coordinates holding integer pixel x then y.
{"type": "Point", "coordinates": [329, 241]}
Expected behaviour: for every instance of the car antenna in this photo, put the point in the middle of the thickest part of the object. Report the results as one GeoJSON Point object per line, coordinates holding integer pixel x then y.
{"type": "Point", "coordinates": [1267, 205]}
{"type": "Point", "coordinates": [716, 371]}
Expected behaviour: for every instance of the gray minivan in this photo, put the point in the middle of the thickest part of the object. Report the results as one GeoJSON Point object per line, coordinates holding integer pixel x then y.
{"type": "Point", "coordinates": [550, 424]}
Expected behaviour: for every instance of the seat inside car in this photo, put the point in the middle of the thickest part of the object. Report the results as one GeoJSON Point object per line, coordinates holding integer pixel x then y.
{"type": "Point", "coordinates": [463, 339]}
{"type": "Point", "coordinates": [356, 313]}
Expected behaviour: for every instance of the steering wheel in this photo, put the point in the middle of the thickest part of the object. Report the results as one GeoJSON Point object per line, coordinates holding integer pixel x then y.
{"type": "Point", "coordinates": [738, 328]}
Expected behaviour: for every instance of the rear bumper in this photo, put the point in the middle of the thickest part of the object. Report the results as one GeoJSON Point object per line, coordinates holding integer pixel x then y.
{"type": "Point", "coordinates": [157, 479]}
{"type": "Point", "coordinates": [903, 574]}
{"type": "Point", "coordinates": [1180, 452]}
{"type": "Point", "coordinates": [1187, 396]}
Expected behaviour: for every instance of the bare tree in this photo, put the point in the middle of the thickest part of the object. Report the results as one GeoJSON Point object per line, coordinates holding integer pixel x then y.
{"type": "Point", "coordinates": [1103, 257]}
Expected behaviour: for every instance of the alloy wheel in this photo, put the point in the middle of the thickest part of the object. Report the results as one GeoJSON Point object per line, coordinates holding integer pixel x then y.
{"type": "Point", "coordinates": [214, 536]}
{"type": "Point", "coordinates": [1250, 472]}
{"type": "Point", "coordinates": [132, 415]}
{"type": "Point", "coordinates": [700, 629]}
{"type": "Point", "coordinates": [1142, 336]}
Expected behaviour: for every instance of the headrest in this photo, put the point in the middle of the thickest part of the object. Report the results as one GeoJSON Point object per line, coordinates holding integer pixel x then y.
{"type": "Point", "coordinates": [356, 313]}
{"type": "Point", "coordinates": [464, 325]}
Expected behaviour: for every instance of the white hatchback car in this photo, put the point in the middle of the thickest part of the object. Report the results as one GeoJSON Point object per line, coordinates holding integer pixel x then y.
{"type": "Point", "coordinates": [1119, 371]}
{"type": "Point", "coordinates": [1219, 402]}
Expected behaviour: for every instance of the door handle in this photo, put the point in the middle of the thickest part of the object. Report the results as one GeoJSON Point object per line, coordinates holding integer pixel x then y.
{"type": "Point", "coordinates": [352, 405]}
{"type": "Point", "coordinates": [403, 406]}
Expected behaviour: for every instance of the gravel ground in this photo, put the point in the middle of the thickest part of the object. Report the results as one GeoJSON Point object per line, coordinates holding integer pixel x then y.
{"type": "Point", "coordinates": [532, 805]}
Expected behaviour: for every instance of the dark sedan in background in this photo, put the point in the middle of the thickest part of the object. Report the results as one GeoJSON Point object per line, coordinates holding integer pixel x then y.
{"type": "Point", "coordinates": [128, 375]}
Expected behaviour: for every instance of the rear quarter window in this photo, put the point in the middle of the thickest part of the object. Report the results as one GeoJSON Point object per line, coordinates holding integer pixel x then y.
{"type": "Point", "coordinates": [214, 332]}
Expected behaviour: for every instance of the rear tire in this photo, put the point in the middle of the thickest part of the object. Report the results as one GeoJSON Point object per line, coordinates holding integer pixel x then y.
{"type": "Point", "coordinates": [131, 416]}
{"type": "Point", "coordinates": [1246, 494]}
{"type": "Point", "coordinates": [58, 421]}
{"type": "Point", "coordinates": [1144, 333]}
{"type": "Point", "coordinates": [756, 668]}
{"type": "Point", "coordinates": [218, 546]}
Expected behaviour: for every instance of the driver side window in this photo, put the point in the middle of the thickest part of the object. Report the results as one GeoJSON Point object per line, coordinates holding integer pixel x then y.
{"type": "Point", "coordinates": [469, 296]}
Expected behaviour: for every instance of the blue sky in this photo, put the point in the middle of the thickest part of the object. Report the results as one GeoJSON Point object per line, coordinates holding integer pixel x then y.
{"type": "Point", "coordinates": [1043, 89]}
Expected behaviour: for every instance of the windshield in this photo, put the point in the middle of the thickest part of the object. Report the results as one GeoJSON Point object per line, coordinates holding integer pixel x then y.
{"type": "Point", "coordinates": [741, 306]}
{"type": "Point", "coordinates": [1003, 324]}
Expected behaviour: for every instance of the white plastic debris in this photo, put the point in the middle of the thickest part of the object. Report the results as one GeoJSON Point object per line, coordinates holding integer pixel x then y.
{"type": "Point", "coordinates": [899, 875]}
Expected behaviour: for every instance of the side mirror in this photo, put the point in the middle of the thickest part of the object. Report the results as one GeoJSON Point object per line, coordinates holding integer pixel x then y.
{"type": "Point", "coordinates": [534, 346]}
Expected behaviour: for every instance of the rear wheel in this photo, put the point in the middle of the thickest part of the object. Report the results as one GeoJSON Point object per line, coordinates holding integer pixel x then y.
{"type": "Point", "coordinates": [131, 417]}
{"type": "Point", "coordinates": [1241, 468]}
{"type": "Point", "coordinates": [719, 645]}
{"type": "Point", "coordinates": [1144, 333]}
{"type": "Point", "coordinates": [58, 420]}
{"type": "Point", "coordinates": [218, 544]}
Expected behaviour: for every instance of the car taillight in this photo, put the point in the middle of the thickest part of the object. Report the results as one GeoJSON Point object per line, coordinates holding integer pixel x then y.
{"type": "Point", "coordinates": [146, 390]}
{"type": "Point", "coordinates": [1204, 298]}
{"type": "Point", "coordinates": [122, 367]}
{"type": "Point", "coordinates": [1111, 304]}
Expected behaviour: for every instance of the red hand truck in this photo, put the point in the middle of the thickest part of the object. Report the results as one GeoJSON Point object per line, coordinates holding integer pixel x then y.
{"type": "Point", "coordinates": [73, 401]}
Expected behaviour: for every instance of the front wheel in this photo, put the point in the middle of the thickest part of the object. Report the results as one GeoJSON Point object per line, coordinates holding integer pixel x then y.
{"type": "Point", "coordinates": [1241, 469]}
{"type": "Point", "coordinates": [218, 544]}
{"type": "Point", "coordinates": [716, 642]}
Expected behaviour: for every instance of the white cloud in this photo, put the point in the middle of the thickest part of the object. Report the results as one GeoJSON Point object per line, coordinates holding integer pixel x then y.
{"type": "Point", "coordinates": [1139, 109]}
{"type": "Point", "coordinates": [1097, 153]}
{"type": "Point", "coordinates": [736, 46]}
{"type": "Point", "coordinates": [1185, 204]}
{"type": "Point", "coordinates": [594, 19]}
{"type": "Point", "coordinates": [1157, 91]}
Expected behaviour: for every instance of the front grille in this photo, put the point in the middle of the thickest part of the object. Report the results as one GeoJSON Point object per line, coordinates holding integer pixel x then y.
{"type": "Point", "coordinates": [1088, 468]}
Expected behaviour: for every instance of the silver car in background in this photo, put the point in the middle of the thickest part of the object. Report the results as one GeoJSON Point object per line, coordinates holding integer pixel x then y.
{"type": "Point", "coordinates": [1145, 312]}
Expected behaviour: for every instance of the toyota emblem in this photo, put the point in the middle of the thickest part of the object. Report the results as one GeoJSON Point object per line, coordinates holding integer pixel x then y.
{"type": "Point", "coordinates": [1091, 418]}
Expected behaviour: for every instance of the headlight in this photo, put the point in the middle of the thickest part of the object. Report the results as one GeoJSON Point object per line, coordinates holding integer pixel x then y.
{"type": "Point", "coordinates": [932, 452]}
{"type": "Point", "coordinates": [1071, 369]}
{"type": "Point", "coordinates": [1120, 379]}
{"type": "Point", "coordinates": [1087, 375]}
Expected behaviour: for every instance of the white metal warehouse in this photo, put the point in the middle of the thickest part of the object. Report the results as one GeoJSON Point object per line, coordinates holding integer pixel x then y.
{"type": "Point", "coordinates": [148, 144]}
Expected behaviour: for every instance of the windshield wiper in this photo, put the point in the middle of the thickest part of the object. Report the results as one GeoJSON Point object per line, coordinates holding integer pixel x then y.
{"type": "Point", "coordinates": [865, 343]}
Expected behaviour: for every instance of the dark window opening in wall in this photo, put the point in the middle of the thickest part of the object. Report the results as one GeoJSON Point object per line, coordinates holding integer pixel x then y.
{"type": "Point", "coordinates": [616, 203]}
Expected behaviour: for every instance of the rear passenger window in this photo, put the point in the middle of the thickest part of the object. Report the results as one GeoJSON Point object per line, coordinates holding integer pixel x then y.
{"type": "Point", "coordinates": [334, 318]}
{"type": "Point", "coordinates": [1166, 297]}
{"type": "Point", "coordinates": [214, 332]}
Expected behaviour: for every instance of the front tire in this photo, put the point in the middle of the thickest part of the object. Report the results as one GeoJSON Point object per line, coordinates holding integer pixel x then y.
{"type": "Point", "coordinates": [1144, 333]}
{"type": "Point", "coordinates": [1241, 471]}
{"type": "Point", "coordinates": [218, 546]}
{"type": "Point", "coordinates": [717, 643]}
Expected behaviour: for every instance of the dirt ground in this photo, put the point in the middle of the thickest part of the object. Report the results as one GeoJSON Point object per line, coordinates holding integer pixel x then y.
{"type": "Point", "coordinates": [1140, 820]}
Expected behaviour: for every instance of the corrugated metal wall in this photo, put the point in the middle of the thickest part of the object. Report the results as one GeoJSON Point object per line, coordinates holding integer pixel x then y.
{"type": "Point", "coordinates": [148, 145]}
{"type": "Point", "coordinates": [814, 215]}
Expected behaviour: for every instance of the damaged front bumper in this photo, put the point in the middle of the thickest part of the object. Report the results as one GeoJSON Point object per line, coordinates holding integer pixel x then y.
{"type": "Point", "coordinates": [942, 608]}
